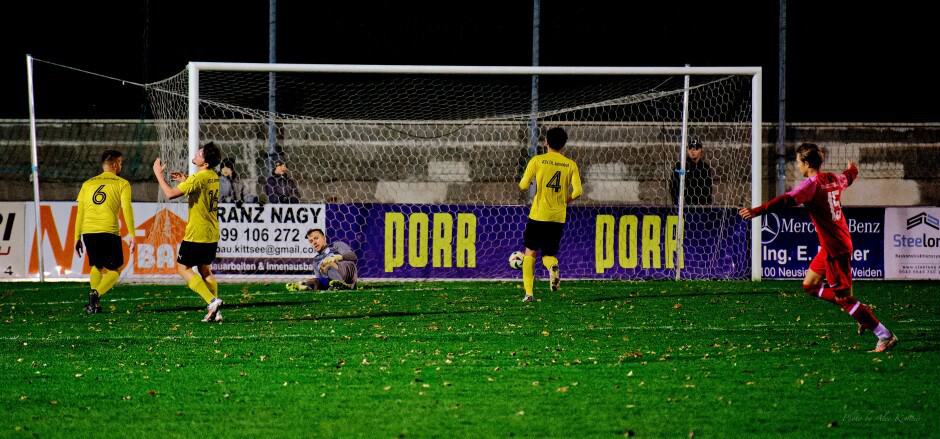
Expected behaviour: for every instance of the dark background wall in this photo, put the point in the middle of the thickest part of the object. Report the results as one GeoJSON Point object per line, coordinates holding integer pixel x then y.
{"type": "Point", "coordinates": [848, 61]}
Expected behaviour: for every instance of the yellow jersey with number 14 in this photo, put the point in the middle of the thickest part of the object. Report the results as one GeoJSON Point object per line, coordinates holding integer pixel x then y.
{"type": "Point", "coordinates": [202, 188]}
{"type": "Point", "coordinates": [556, 176]}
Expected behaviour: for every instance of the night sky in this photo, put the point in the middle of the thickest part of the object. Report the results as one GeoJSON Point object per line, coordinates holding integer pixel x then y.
{"type": "Point", "coordinates": [847, 61]}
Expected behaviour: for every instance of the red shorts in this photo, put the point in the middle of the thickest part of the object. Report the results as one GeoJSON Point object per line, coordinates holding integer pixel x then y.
{"type": "Point", "coordinates": [837, 270]}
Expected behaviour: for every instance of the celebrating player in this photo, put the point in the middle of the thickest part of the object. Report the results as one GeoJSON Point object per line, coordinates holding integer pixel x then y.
{"type": "Point", "coordinates": [555, 175]}
{"type": "Point", "coordinates": [202, 230]}
{"type": "Point", "coordinates": [821, 193]}
{"type": "Point", "coordinates": [99, 200]}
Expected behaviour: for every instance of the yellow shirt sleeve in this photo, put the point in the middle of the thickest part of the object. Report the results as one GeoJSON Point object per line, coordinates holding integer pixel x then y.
{"type": "Point", "coordinates": [128, 209]}
{"type": "Point", "coordinates": [527, 176]}
{"type": "Point", "coordinates": [188, 185]}
{"type": "Point", "coordinates": [80, 216]}
{"type": "Point", "coordinates": [576, 189]}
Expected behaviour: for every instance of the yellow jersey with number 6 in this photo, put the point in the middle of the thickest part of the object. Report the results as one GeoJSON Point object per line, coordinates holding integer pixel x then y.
{"type": "Point", "coordinates": [99, 201]}
{"type": "Point", "coordinates": [202, 188]}
{"type": "Point", "coordinates": [556, 180]}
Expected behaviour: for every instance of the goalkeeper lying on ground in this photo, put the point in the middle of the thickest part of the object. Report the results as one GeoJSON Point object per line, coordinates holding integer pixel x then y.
{"type": "Point", "coordinates": [336, 265]}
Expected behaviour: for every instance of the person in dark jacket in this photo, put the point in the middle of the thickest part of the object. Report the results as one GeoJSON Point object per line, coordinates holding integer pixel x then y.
{"type": "Point", "coordinates": [280, 187]}
{"type": "Point", "coordinates": [698, 178]}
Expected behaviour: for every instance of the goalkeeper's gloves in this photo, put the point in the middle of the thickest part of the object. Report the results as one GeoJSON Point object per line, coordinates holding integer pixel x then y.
{"type": "Point", "coordinates": [297, 286]}
{"type": "Point", "coordinates": [329, 260]}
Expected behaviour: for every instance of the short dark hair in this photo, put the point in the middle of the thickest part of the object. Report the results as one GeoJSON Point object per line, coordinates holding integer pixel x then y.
{"type": "Point", "coordinates": [110, 155]}
{"type": "Point", "coordinates": [557, 138]}
{"type": "Point", "coordinates": [811, 154]}
{"type": "Point", "coordinates": [309, 232]}
{"type": "Point", "coordinates": [212, 154]}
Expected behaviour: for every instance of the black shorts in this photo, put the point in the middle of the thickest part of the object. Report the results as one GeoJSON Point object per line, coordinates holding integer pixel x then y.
{"type": "Point", "coordinates": [104, 250]}
{"type": "Point", "coordinates": [544, 236]}
{"type": "Point", "coordinates": [192, 254]}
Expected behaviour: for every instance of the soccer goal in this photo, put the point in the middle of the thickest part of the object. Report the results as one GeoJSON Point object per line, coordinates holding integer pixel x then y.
{"type": "Point", "coordinates": [416, 167]}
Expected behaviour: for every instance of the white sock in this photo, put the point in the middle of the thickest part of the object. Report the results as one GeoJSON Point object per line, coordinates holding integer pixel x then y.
{"type": "Point", "coordinates": [881, 332]}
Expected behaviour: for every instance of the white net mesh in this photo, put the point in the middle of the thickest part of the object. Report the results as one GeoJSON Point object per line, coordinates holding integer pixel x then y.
{"type": "Point", "coordinates": [418, 173]}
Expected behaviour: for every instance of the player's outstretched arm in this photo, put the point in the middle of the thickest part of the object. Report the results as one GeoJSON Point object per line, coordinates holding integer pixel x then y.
{"type": "Point", "coordinates": [785, 200]}
{"type": "Point", "coordinates": [746, 213]}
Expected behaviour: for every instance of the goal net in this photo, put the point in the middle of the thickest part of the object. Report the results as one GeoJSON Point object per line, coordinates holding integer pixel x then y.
{"type": "Point", "coordinates": [417, 169]}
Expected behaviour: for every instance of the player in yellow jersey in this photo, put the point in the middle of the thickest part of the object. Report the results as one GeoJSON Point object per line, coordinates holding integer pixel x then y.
{"type": "Point", "coordinates": [99, 201]}
{"type": "Point", "coordinates": [557, 183]}
{"type": "Point", "coordinates": [202, 230]}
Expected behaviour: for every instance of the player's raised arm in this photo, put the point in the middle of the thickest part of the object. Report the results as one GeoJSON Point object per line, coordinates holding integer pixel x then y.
{"type": "Point", "coordinates": [169, 192]}
{"type": "Point", "coordinates": [851, 172]}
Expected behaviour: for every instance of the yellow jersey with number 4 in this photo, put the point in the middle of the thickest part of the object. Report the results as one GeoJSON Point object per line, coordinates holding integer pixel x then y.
{"type": "Point", "coordinates": [557, 181]}
{"type": "Point", "coordinates": [202, 188]}
{"type": "Point", "coordinates": [99, 201]}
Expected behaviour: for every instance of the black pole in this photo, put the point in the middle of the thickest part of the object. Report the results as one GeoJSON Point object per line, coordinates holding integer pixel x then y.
{"type": "Point", "coordinates": [272, 85]}
{"type": "Point", "coordinates": [534, 108]}
{"type": "Point", "coordinates": [781, 101]}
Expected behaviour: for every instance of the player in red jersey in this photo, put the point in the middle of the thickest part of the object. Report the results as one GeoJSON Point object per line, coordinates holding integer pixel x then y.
{"type": "Point", "coordinates": [820, 193]}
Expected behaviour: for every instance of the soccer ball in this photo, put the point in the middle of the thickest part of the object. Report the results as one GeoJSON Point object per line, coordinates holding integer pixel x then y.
{"type": "Point", "coordinates": [515, 260]}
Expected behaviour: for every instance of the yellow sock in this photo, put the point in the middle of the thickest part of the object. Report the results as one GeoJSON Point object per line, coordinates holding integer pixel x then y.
{"type": "Point", "coordinates": [213, 285]}
{"type": "Point", "coordinates": [528, 274]}
{"type": "Point", "coordinates": [549, 262]}
{"type": "Point", "coordinates": [94, 278]}
{"type": "Point", "coordinates": [196, 284]}
{"type": "Point", "coordinates": [107, 281]}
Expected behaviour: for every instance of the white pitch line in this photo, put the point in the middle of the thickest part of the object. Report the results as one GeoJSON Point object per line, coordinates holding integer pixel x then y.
{"type": "Point", "coordinates": [816, 327]}
{"type": "Point", "coordinates": [192, 296]}
{"type": "Point", "coordinates": [287, 293]}
{"type": "Point", "coordinates": [134, 299]}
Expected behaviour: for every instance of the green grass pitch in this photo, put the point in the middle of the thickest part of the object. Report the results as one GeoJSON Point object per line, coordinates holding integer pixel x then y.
{"type": "Point", "coordinates": [467, 359]}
